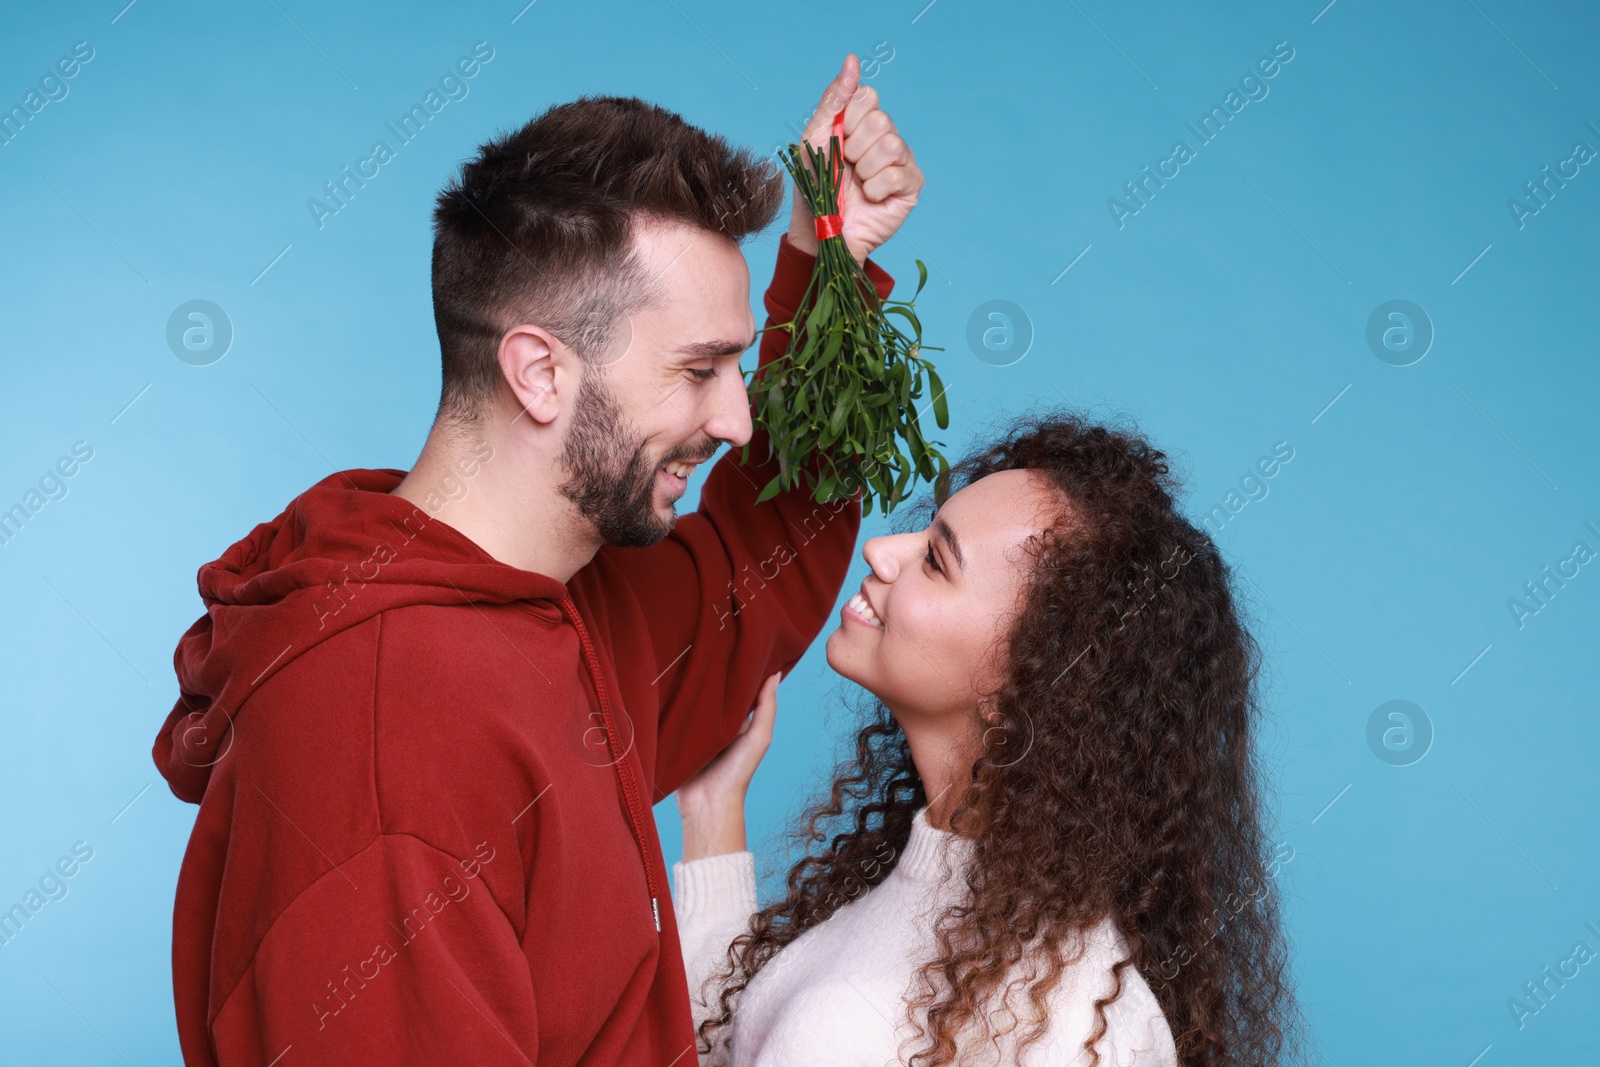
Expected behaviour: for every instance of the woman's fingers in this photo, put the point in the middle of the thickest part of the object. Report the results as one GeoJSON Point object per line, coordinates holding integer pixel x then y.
{"type": "Point", "coordinates": [766, 712]}
{"type": "Point", "coordinates": [745, 752]}
{"type": "Point", "coordinates": [730, 772]}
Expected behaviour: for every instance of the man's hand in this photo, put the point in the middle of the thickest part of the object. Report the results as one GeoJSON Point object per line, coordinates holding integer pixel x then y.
{"type": "Point", "coordinates": [879, 181]}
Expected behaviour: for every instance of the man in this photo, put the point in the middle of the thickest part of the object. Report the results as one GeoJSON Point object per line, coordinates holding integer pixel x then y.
{"type": "Point", "coordinates": [427, 713]}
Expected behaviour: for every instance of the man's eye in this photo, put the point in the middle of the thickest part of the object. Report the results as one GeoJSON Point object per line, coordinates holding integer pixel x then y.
{"type": "Point", "coordinates": [931, 561]}
{"type": "Point", "coordinates": [703, 375]}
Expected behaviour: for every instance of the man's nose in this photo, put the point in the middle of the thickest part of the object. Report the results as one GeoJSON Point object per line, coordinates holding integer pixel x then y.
{"type": "Point", "coordinates": [731, 422]}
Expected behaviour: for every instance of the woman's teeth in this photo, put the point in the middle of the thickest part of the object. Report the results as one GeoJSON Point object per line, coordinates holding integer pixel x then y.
{"type": "Point", "coordinates": [859, 605]}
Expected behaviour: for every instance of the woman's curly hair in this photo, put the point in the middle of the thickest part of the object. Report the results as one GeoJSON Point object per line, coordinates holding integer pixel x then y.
{"type": "Point", "coordinates": [1121, 778]}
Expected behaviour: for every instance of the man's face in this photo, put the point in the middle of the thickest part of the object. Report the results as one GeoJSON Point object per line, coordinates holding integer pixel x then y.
{"type": "Point", "coordinates": [670, 391]}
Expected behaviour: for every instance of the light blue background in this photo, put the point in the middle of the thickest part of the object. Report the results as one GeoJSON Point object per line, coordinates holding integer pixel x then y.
{"type": "Point", "coordinates": [1226, 316]}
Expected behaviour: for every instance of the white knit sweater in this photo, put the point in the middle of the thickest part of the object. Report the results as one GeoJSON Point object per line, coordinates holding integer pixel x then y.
{"type": "Point", "coordinates": [837, 994]}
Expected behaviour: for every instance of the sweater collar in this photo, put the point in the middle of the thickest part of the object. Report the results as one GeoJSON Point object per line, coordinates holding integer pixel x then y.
{"type": "Point", "coordinates": [928, 849]}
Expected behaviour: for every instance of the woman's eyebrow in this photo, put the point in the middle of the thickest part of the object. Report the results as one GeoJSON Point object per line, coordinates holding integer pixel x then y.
{"type": "Point", "coordinates": [943, 529]}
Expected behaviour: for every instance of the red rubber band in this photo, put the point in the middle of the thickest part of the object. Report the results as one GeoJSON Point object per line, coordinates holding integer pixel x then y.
{"type": "Point", "coordinates": [838, 131]}
{"type": "Point", "coordinates": [833, 225]}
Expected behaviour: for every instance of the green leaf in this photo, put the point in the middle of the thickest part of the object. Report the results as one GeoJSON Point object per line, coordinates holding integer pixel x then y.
{"type": "Point", "coordinates": [852, 375]}
{"type": "Point", "coordinates": [842, 408]}
{"type": "Point", "coordinates": [907, 314]}
{"type": "Point", "coordinates": [941, 405]}
{"type": "Point", "coordinates": [818, 319]}
{"type": "Point", "coordinates": [881, 482]}
{"type": "Point", "coordinates": [771, 490]}
{"type": "Point", "coordinates": [830, 347]}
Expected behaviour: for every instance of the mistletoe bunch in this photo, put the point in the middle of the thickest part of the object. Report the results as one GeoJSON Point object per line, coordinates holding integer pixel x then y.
{"type": "Point", "coordinates": [846, 389]}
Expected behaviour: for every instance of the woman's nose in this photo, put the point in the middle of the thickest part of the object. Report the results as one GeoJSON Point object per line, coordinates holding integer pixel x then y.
{"type": "Point", "coordinates": [873, 553]}
{"type": "Point", "coordinates": [879, 552]}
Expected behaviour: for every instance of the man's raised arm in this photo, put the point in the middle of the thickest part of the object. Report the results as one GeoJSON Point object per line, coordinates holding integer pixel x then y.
{"type": "Point", "coordinates": [740, 589]}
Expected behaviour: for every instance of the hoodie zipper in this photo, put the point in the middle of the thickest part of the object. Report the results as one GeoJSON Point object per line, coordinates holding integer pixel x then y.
{"type": "Point", "coordinates": [630, 787]}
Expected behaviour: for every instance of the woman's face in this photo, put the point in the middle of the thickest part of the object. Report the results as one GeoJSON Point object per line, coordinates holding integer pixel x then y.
{"type": "Point", "coordinates": [940, 617]}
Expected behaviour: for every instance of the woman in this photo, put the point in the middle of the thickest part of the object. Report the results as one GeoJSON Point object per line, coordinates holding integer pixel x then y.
{"type": "Point", "coordinates": [1048, 846]}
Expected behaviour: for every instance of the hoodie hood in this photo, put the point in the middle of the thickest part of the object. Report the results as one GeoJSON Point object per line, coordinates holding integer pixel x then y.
{"type": "Point", "coordinates": [341, 552]}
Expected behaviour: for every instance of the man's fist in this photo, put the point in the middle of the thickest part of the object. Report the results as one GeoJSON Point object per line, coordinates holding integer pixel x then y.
{"type": "Point", "coordinates": [879, 182]}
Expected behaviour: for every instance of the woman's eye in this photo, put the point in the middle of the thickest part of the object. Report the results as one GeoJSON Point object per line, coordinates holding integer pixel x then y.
{"type": "Point", "coordinates": [931, 561]}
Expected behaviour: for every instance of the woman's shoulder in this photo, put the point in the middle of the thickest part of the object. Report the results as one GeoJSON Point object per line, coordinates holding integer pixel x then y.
{"type": "Point", "coordinates": [1136, 1027]}
{"type": "Point", "coordinates": [1136, 1030]}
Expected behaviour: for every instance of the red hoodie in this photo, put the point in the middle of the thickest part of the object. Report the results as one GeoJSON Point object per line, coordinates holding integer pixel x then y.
{"type": "Point", "coordinates": [425, 777]}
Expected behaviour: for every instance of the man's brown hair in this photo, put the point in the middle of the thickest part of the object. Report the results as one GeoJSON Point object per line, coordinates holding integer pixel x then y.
{"type": "Point", "coordinates": [539, 228]}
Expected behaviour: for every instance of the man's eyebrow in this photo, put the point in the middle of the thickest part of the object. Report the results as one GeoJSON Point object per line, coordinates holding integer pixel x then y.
{"type": "Point", "coordinates": [702, 349]}
{"type": "Point", "coordinates": [943, 529]}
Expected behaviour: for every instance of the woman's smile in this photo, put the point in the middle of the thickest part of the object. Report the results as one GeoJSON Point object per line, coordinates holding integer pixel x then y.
{"type": "Point", "coordinates": [857, 609]}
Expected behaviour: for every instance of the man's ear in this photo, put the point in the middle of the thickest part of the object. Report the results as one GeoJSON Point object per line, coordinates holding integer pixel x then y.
{"type": "Point", "coordinates": [535, 365]}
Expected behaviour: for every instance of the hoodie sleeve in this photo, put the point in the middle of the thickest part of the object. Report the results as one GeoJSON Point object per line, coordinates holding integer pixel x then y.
{"type": "Point", "coordinates": [399, 956]}
{"type": "Point", "coordinates": [738, 590]}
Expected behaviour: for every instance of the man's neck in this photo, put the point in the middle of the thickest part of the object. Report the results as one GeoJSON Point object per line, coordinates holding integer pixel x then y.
{"type": "Point", "coordinates": [503, 496]}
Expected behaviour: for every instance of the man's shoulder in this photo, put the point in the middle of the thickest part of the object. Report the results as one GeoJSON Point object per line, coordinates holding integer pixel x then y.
{"type": "Point", "coordinates": [416, 654]}
{"type": "Point", "coordinates": [408, 709]}
{"type": "Point", "coordinates": [479, 677]}
{"type": "Point", "coordinates": [486, 646]}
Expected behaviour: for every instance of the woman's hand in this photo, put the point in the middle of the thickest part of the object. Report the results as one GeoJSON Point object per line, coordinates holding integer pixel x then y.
{"type": "Point", "coordinates": [712, 802]}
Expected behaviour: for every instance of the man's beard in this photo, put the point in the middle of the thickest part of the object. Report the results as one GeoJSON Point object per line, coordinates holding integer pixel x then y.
{"type": "Point", "coordinates": [610, 477]}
